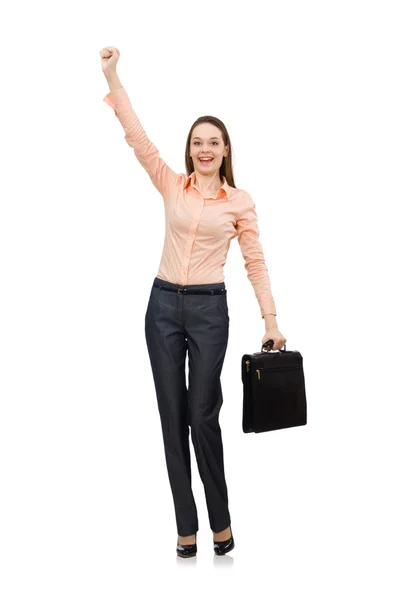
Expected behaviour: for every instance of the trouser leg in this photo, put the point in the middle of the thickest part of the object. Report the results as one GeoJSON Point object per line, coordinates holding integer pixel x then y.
{"type": "Point", "coordinates": [167, 346]}
{"type": "Point", "coordinates": [206, 322]}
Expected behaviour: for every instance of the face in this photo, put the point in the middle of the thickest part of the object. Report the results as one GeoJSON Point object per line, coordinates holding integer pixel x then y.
{"type": "Point", "coordinates": [207, 142]}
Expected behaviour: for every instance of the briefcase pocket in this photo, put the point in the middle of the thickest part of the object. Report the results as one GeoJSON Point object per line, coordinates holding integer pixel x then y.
{"type": "Point", "coordinates": [279, 398]}
{"type": "Point", "coordinates": [286, 368]}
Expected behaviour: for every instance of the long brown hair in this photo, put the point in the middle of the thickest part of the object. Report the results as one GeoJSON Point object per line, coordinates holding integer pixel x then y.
{"type": "Point", "coordinates": [226, 168]}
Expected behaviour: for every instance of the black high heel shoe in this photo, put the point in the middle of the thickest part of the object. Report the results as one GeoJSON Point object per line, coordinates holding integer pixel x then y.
{"type": "Point", "coordinates": [221, 548]}
{"type": "Point", "coordinates": [187, 550]}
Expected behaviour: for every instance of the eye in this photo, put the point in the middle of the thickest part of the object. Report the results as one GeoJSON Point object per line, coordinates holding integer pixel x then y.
{"type": "Point", "coordinates": [216, 143]}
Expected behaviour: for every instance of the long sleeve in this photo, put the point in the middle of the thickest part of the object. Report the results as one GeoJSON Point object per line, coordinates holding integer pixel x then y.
{"type": "Point", "coordinates": [251, 248]}
{"type": "Point", "coordinates": [162, 176]}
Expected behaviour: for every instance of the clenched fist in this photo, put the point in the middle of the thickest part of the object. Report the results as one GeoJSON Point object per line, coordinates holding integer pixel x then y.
{"type": "Point", "coordinates": [110, 56]}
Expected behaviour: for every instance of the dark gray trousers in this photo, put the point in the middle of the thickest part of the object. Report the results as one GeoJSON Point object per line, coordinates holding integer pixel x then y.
{"type": "Point", "coordinates": [176, 323]}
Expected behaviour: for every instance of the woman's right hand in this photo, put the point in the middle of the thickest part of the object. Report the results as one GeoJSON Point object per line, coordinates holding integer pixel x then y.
{"type": "Point", "coordinates": [109, 55]}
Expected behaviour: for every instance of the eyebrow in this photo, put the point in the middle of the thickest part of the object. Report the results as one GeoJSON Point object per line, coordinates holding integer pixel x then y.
{"type": "Point", "coordinates": [212, 138]}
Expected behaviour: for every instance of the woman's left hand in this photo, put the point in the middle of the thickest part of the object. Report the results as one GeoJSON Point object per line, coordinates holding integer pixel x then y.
{"type": "Point", "coordinates": [277, 337]}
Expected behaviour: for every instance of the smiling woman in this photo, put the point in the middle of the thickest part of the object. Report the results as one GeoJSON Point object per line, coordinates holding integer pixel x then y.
{"type": "Point", "coordinates": [187, 311]}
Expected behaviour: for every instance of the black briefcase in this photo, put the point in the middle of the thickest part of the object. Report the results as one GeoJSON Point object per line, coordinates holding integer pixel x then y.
{"type": "Point", "coordinates": [274, 395]}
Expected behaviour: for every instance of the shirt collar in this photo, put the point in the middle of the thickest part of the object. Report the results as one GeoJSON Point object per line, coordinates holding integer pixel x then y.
{"type": "Point", "coordinates": [225, 186]}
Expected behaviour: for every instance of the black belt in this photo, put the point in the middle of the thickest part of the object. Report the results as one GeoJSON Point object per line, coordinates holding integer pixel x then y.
{"type": "Point", "coordinates": [183, 290]}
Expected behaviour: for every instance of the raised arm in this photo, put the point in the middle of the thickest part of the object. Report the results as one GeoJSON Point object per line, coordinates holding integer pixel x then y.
{"type": "Point", "coordinates": [251, 248]}
{"type": "Point", "coordinates": [161, 175]}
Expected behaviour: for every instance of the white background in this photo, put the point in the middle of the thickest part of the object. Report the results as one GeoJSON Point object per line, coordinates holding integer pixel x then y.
{"type": "Point", "coordinates": [307, 91]}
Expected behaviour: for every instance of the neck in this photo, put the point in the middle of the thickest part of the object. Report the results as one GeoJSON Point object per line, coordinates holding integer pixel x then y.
{"type": "Point", "coordinates": [208, 183]}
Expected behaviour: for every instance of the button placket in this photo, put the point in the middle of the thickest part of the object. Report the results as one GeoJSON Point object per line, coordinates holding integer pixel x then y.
{"type": "Point", "coordinates": [189, 245]}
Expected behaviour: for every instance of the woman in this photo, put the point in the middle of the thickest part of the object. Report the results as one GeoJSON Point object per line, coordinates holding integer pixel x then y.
{"type": "Point", "coordinates": [187, 310]}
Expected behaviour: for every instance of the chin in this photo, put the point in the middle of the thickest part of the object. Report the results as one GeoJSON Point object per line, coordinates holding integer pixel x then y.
{"type": "Point", "coordinates": [205, 170]}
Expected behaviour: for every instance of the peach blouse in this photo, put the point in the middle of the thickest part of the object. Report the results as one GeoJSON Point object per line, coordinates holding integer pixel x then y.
{"type": "Point", "coordinates": [198, 230]}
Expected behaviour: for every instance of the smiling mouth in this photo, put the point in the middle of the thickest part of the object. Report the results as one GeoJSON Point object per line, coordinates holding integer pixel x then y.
{"type": "Point", "coordinates": [206, 160]}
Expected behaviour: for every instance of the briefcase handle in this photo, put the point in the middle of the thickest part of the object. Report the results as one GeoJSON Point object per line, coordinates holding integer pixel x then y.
{"type": "Point", "coordinates": [269, 345]}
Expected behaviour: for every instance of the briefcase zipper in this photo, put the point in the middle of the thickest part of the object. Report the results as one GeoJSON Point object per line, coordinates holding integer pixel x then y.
{"type": "Point", "coordinates": [258, 371]}
{"type": "Point", "coordinates": [247, 365]}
